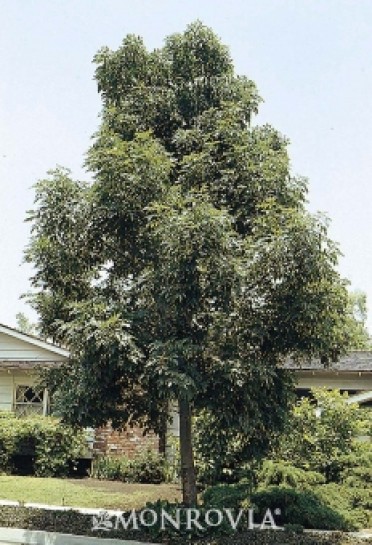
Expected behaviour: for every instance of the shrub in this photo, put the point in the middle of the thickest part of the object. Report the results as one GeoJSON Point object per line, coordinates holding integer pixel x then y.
{"type": "Point", "coordinates": [284, 474]}
{"type": "Point", "coordinates": [52, 445]}
{"type": "Point", "coordinates": [357, 477]}
{"type": "Point", "coordinates": [147, 467]}
{"type": "Point", "coordinates": [300, 507]}
{"type": "Point", "coordinates": [7, 440]}
{"type": "Point", "coordinates": [327, 506]}
{"type": "Point", "coordinates": [109, 468]}
{"type": "Point", "coordinates": [354, 504]}
{"type": "Point", "coordinates": [294, 528]}
{"type": "Point", "coordinates": [321, 440]}
{"type": "Point", "coordinates": [227, 495]}
{"type": "Point", "coordinates": [357, 466]}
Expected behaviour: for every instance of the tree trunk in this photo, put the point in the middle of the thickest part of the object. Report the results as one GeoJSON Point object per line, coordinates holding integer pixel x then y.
{"type": "Point", "coordinates": [187, 456]}
{"type": "Point", "coordinates": [163, 433]}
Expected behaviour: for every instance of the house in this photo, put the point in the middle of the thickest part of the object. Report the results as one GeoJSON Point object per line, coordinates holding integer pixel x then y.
{"type": "Point", "coordinates": [21, 356]}
{"type": "Point", "coordinates": [352, 374]}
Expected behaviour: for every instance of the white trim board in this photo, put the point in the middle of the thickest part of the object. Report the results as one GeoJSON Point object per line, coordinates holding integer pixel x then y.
{"type": "Point", "coordinates": [363, 397]}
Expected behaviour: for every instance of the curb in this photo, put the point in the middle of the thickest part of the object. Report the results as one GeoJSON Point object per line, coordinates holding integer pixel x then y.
{"type": "Point", "coordinates": [47, 507]}
{"type": "Point", "coordinates": [360, 535]}
{"type": "Point", "coordinates": [16, 536]}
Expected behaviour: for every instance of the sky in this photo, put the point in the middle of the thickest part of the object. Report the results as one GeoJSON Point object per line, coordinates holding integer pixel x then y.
{"type": "Point", "coordinates": [310, 59]}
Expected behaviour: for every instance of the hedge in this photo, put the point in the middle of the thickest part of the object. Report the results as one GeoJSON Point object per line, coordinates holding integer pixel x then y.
{"type": "Point", "coordinates": [71, 522]}
{"type": "Point", "coordinates": [51, 444]}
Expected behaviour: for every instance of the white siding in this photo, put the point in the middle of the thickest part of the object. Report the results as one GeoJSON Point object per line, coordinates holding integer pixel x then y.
{"type": "Point", "coordinates": [339, 381]}
{"type": "Point", "coordinates": [17, 347]}
{"type": "Point", "coordinates": [6, 392]}
{"type": "Point", "coordinates": [8, 384]}
{"type": "Point", "coordinates": [174, 424]}
{"type": "Point", "coordinates": [13, 349]}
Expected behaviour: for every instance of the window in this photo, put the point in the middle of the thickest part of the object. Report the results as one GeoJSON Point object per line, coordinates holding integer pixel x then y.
{"type": "Point", "coordinates": [303, 392]}
{"type": "Point", "coordinates": [30, 400]}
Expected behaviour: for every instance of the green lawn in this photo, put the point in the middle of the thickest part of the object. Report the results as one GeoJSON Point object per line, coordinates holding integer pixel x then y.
{"type": "Point", "coordinates": [84, 492]}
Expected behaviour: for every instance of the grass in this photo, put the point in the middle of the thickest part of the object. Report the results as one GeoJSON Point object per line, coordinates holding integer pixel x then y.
{"type": "Point", "coordinates": [84, 492]}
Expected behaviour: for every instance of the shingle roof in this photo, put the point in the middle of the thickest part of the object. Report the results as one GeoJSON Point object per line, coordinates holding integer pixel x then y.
{"type": "Point", "coordinates": [353, 361]}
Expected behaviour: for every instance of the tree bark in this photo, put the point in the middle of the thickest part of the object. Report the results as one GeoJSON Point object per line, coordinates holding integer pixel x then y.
{"type": "Point", "coordinates": [188, 475]}
{"type": "Point", "coordinates": [163, 433]}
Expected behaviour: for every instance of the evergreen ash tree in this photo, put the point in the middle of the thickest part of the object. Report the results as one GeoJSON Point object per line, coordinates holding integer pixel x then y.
{"type": "Point", "coordinates": [189, 269]}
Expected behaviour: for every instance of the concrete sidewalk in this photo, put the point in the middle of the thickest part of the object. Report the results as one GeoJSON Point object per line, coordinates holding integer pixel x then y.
{"type": "Point", "coordinates": [16, 536]}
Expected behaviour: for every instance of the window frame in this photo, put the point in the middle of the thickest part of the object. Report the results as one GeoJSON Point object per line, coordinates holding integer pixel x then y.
{"type": "Point", "coordinates": [44, 404]}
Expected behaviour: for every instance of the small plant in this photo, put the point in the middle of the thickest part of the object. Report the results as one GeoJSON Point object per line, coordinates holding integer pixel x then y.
{"type": "Point", "coordinates": [173, 465]}
{"type": "Point", "coordinates": [146, 467]}
{"type": "Point", "coordinates": [110, 468]}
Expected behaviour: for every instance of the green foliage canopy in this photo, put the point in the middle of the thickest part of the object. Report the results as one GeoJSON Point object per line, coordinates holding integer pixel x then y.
{"type": "Point", "coordinates": [189, 268]}
{"type": "Point", "coordinates": [358, 332]}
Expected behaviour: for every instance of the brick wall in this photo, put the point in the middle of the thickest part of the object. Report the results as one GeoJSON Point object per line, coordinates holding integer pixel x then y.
{"type": "Point", "coordinates": [108, 441]}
